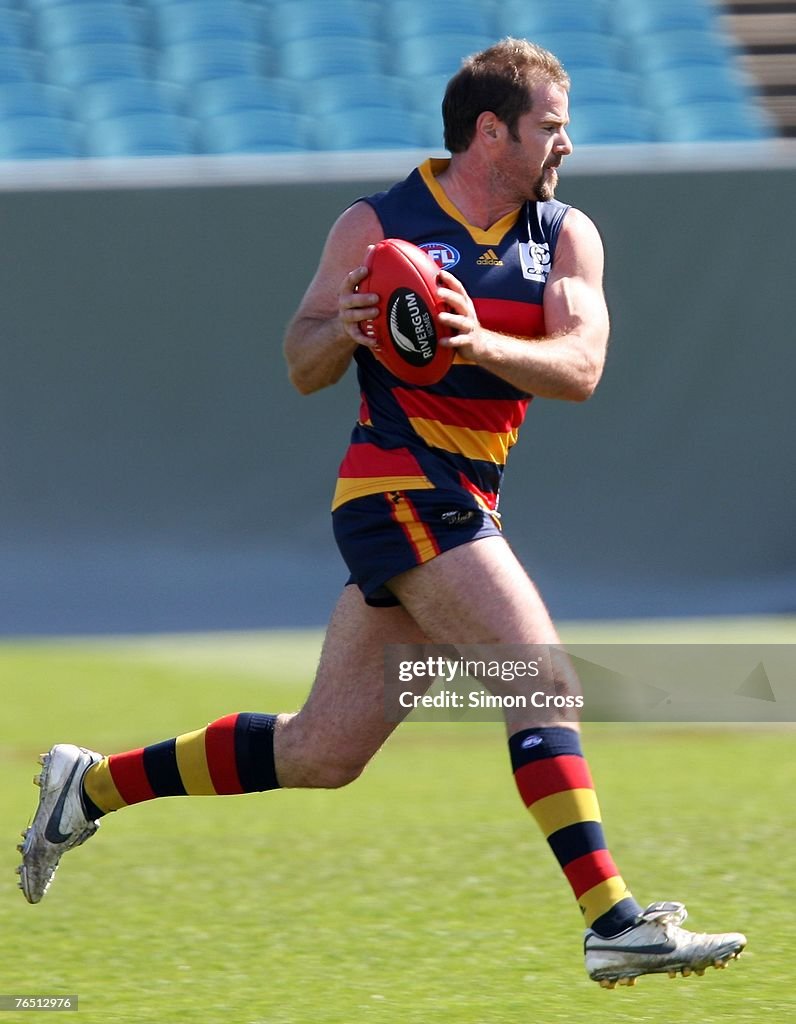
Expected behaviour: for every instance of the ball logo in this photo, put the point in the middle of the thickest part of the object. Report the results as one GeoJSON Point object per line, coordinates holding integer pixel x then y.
{"type": "Point", "coordinates": [444, 256]}
{"type": "Point", "coordinates": [411, 327]}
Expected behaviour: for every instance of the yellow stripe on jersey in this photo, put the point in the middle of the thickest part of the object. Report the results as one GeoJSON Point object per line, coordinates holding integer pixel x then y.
{"type": "Point", "coordinates": [350, 487]}
{"type": "Point", "coordinates": [420, 537]}
{"type": "Point", "coordinates": [192, 763]}
{"type": "Point", "coordinates": [100, 787]}
{"type": "Point", "coordinates": [486, 445]}
{"type": "Point", "coordinates": [598, 900]}
{"type": "Point", "coordinates": [570, 807]}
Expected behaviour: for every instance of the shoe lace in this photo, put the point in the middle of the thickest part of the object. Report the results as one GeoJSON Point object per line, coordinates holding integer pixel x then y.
{"type": "Point", "coordinates": [666, 913]}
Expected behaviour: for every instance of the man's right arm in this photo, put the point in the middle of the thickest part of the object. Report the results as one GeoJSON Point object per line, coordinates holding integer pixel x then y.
{"type": "Point", "coordinates": [322, 336]}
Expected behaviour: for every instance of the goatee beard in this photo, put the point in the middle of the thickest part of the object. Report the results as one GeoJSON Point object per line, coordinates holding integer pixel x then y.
{"type": "Point", "coordinates": [545, 188]}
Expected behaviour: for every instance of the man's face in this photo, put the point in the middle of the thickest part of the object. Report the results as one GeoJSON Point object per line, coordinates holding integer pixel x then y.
{"type": "Point", "coordinates": [529, 164]}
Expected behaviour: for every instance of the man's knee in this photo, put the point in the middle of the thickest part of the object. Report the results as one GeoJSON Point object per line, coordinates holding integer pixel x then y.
{"type": "Point", "coordinates": [330, 773]}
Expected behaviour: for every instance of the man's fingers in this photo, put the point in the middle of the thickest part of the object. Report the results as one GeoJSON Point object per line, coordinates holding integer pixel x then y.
{"type": "Point", "coordinates": [354, 306]}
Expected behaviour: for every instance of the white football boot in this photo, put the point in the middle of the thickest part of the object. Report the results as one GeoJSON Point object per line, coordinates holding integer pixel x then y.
{"type": "Point", "coordinates": [60, 822]}
{"type": "Point", "coordinates": [656, 944]}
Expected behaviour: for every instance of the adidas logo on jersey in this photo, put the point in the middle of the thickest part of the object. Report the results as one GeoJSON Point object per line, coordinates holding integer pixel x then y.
{"type": "Point", "coordinates": [489, 259]}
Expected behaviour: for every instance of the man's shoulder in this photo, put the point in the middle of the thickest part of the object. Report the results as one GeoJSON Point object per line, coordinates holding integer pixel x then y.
{"type": "Point", "coordinates": [553, 206]}
{"type": "Point", "coordinates": [399, 191]}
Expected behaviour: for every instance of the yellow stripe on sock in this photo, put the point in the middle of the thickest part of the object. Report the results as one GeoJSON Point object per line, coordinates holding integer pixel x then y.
{"type": "Point", "coordinates": [100, 787]}
{"type": "Point", "coordinates": [192, 764]}
{"type": "Point", "coordinates": [598, 900]}
{"type": "Point", "coordinates": [567, 808]}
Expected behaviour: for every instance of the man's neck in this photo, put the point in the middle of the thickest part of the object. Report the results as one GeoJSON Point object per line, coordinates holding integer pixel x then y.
{"type": "Point", "coordinates": [471, 186]}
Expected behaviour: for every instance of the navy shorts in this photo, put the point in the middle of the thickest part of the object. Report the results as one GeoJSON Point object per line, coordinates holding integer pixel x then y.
{"type": "Point", "coordinates": [382, 535]}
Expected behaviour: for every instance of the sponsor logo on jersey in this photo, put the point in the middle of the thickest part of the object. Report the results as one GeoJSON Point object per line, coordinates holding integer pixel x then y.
{"type": "Point", "coordinates": [489, 259]}
{"type": "Point", "coordinates": [535, 260]}
{"type": "Point", "coordinates": [444, 256]}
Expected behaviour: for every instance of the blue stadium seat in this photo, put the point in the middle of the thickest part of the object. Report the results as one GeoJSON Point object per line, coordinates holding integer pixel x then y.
{"type": "Point", "coordinates": [438, 18]}
{"type": "Point", "coordinates": [693, 83]}
{"type": "Point", "coordinates": [18, 65]}
{"type": "Point", "coordinates": [344, 92]}
{"type": "Point", "coordinates": [15, 29]}
{"type": "Point", "coordinates": [719, 121]}
{"type": "Point", "coordinates": [373, 128]}
{"type": "Point", "coordinates": [583, 49]}
{"type": "Point", "coordinates": [204, 60]}
{"type": "Point", "coordinates": [38, 138]}
{"type": "Point", "coordinates": [255, 131]}
{"type": "Point", "coordinates": [287, 20]}
{"type": "Point", "coordinates": [612, 123]}
{"type": "Point", "coordinates": [40, 5]}
{"type": "Point", "coordinates": [34, 99]}
{"type": "Point", "coordinates": [145, 134]}
{"type": "Point", "coordinates": [95, 62]}
{"type": "Point", "coordinates": [307, 59]}
{"type": "Point", "coordinates": [195, 20]}
{"type": "Point", "coordinates": [231, 95]}
{"type": "Point", "coordinates": [639, 17]}
{"type": "Point", "coordinates": [426, 92]}
{"type": "Point", "coordinates": [662, 50]}
{"type": "Point", "coordinates": [73, 24]}
{"type": "Point", "coordinates": [603, 85]}
{"type": "Point", "coordinates": [528, 20]}
{"type": "Point", "coordinates": [101, 100]}
{"type": "Point", "coordinates": [434, 55]}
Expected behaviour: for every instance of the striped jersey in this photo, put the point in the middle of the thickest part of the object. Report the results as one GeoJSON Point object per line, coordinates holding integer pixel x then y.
{"type": "Point", "coordinates": [454, 435]}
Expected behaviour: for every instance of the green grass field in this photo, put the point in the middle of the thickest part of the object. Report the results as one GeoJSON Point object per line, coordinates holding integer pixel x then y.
{"type": "Point", "coordinates": [423, 894]}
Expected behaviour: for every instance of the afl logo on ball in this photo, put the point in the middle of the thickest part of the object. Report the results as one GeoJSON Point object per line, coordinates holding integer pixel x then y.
{"type": "Point", "coordinates": [412, 328]}
{"type": "Point", "coordinates": [444, 256]}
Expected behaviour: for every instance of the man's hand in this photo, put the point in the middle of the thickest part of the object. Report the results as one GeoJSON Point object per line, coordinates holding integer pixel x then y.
{"type": "Point", "coordinates": [354, 306]}
{"type": "Point", "coordinates": [462, 320]}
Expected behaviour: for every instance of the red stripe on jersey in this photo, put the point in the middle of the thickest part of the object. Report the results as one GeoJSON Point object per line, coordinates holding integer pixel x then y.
{"type": "Point", "coordinates": [591, 869]}
{"type": "Point", "coordinates": [522, 319]}
{"type": "Point", "coordinates": [220, 752]}
{"type": "Point", "coordinates": [369, 460]}
{"type": "Point", "coordinates": [497, 415]}
{"type": "Point", "coordinates": [129, 776]}
{"type": "Point", "coordinates": [489, 498]}
{"type": "Point", "coordinates": [552, 775]}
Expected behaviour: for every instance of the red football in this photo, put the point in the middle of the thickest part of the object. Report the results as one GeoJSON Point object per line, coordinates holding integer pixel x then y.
{"type": "Point", "coordinates": [406, 329]}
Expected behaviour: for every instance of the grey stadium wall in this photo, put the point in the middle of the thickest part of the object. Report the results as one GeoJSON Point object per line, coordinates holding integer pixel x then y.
{"type": "Point", "coordinates": [159, 473]}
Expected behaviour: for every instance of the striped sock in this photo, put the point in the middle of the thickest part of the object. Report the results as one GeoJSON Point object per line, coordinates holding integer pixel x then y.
{"type": "Point", "coordinates": [232, 755]}
{"type": "Point", "coordinates": [556, 786]}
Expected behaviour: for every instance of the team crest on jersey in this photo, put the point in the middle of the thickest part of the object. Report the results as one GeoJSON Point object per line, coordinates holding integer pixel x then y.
{"type": "Point", "coordinates": [535, 260]}
{"type": "Point", "coordinates": [444, 256]}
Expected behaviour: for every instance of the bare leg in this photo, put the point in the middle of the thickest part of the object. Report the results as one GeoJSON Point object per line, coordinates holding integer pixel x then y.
{"type": "Point", "coordinates": [343, 723]}
{"type": "Point", "coordinates": [480, 594]}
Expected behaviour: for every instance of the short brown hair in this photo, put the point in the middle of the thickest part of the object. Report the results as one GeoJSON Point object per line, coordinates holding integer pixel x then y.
{"type": "Point", "coordinates": [499, 79]}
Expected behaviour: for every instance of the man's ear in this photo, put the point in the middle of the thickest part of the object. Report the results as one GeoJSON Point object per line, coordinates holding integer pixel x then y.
{"type": "Point", "coordinates": [487, 122]}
